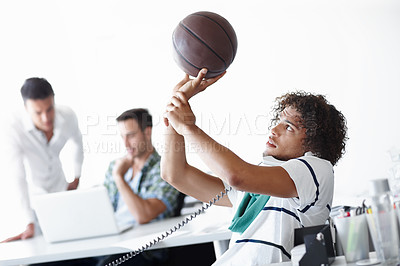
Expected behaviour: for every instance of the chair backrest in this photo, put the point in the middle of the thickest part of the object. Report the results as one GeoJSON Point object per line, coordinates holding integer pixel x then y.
{"type": "Point", "coordinates": [181, 202]}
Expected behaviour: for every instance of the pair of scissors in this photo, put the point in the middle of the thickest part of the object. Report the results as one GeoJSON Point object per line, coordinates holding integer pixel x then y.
{"type": "Point", "coordinates": [361, 209]}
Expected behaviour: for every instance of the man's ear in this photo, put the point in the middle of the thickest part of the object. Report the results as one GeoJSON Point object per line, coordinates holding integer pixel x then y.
{"type": "Point", "coordinates": [147, 131]}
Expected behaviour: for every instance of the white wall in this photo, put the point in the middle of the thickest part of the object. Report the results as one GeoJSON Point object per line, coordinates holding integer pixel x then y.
{"type": "Point", "coordinates": [103, 57]}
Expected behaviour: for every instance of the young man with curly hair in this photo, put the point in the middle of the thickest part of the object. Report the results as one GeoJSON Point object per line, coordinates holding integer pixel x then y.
{"type": "Point", "coordinates": [293, 187]}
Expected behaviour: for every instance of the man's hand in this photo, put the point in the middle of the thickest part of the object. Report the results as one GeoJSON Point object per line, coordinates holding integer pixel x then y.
{"type": "Point", "coordinates": [74, 184]}
{"type": "Point", "coordinates": [191, 87]}
{"type": "Point", "coordinates": [180, 114]}
{"type": "Point", "coordinates": [121, 167]}
{"type": "Point", "coordinates": [28, 233]}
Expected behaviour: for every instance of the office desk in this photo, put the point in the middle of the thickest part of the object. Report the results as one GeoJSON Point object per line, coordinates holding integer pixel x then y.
{"type": "Point", "coordinates": [205, 228]}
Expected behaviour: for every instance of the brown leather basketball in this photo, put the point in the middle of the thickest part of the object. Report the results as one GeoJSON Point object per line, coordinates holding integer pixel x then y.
{"type": "Point", "coordinates": [204, 39]}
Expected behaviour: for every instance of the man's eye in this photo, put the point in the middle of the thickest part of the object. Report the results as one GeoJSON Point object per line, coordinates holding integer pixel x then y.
{"type": "Point", "coordinates": [289, 128]}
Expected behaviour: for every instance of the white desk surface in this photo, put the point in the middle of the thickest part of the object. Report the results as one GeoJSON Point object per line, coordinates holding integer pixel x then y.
{"type": "Point", "coordinates": [202, 229]}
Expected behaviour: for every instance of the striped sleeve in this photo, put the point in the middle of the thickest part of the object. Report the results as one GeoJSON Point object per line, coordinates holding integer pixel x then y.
{"type": "Point", "coordinates": [310, 178]}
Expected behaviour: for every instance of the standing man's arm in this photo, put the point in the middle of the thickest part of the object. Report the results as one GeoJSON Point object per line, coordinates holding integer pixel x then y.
{"type": "Point", "coordinates": [14, 180]}
{"type": "Point", "coordinates": [77, 151]}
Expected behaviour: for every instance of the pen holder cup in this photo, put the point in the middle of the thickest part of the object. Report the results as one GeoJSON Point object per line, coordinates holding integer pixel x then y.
{"type": "Point", "coordinates": [353, 235]}
{"type": "Point", "coordinates": [384, 233]}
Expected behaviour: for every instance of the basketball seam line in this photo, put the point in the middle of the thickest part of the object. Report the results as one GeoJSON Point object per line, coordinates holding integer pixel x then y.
{"type": "Point", "coordinates": [181, 55]}
{"type": "Point", "coordinates": [227, 35]}
{"type": "Point", "coordinates": [197, 37]}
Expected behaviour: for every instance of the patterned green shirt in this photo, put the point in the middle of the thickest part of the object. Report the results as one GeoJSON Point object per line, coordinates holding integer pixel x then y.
{"type": "Point", "coordinates": [146, 184]}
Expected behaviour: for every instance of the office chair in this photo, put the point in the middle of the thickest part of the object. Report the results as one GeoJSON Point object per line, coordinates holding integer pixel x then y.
{"type": "Point", "coordinates": [181, 202]}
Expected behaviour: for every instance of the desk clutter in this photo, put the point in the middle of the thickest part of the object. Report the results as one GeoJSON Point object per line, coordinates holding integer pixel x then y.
{"type": "Point", "coordinates": [372, 226]}
{"type": "Point", "coordinates": [313, 246]}
{"type": "Point", "coordinates": [377, 218]}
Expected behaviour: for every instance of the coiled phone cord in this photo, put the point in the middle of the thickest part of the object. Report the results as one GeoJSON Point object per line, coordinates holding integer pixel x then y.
{"type": "Point", "coordinates": [170, 231]}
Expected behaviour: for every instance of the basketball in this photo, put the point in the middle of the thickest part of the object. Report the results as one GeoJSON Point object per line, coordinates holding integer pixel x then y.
{"type": "Point", "coordinates": [204, 40]}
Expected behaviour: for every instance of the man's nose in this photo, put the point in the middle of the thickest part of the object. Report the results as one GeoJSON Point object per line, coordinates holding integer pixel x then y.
{"type": "Point", "coordinates": [274, 130]}
{"type": "Point", "coordinates": [126, 142]}
{"type": "Point", "coordinates": [45, 117]}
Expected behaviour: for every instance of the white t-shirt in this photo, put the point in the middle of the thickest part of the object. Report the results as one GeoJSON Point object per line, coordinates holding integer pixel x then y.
{"type": "Point", "coordinates": [270, 237]}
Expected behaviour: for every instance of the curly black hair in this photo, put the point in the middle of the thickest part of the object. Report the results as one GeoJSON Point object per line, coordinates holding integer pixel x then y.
{"type": "Point", "coordinates": [326, 129]}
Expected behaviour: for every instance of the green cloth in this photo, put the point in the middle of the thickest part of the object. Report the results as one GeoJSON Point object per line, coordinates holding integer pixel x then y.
{"type": "Point", "coordinates": [248, 209]}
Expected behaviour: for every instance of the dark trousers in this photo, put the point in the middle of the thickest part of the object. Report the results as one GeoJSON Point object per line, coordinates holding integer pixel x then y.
{"type": "Point", "coordinates": [155, 257]}
{"type": "Point", "coordinates": [193, 255]}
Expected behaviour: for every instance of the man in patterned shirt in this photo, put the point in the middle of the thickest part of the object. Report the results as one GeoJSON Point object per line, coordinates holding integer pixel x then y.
{"type": "Point", "coordinates": [138, 194]}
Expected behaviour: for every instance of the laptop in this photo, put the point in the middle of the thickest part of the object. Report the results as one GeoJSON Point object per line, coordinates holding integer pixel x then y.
{"type": "Point", "coordinates": [76, 214]}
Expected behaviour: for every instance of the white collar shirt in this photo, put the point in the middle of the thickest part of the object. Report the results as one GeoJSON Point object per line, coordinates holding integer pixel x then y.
{"type": "Point", "coordinates": [33, 163]}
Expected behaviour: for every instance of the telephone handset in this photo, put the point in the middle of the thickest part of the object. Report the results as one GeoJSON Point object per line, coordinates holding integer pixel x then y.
{"type": "Point", "coordinates": [170, 231]}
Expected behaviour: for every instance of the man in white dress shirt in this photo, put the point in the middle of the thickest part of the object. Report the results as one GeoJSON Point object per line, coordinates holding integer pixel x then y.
{"type": "Point", "coordinates": [32, 145]}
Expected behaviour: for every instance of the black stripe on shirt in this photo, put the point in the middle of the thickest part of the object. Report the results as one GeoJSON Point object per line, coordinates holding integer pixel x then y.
{"type": "Point", "coordinates": [316, 184]}
{"type": "Point", "coordinates": [282, 210]}
{"type": "Point", "coordinates": [265, 243]}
